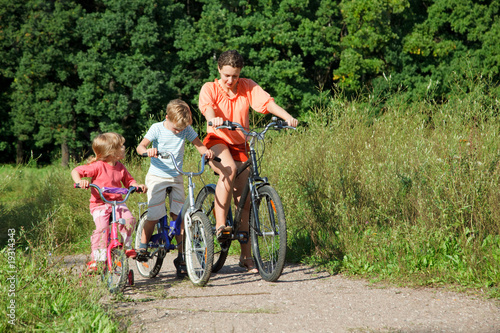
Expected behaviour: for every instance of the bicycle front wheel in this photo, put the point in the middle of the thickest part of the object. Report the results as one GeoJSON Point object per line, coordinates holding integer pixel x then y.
{"type": "Point", "coordinates": [268, 233]}
{"type": "Point", "coordinates": [206, 202]}
{"type": "Point", "coordinates": [116, 278]}
{"type": "Point", "coordinates": [199, 248]}
{"type": "Point", "coordinates": [152, 266]}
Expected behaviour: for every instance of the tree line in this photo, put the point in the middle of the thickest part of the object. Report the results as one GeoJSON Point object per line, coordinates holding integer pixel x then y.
{"type": "Point", "coordinates": [70, 69]}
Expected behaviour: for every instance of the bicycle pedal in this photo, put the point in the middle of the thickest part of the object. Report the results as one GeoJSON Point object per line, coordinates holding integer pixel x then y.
{"type": "Point", "coordinates": [223, 235]}
{"type": "Point", "coordinates": [242, 237]}
{"type": "Point", "coordinates": [142, 256]}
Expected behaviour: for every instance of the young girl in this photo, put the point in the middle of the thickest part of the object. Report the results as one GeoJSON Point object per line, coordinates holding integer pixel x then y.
{"type": "Point", "coordinates": [105, 171]}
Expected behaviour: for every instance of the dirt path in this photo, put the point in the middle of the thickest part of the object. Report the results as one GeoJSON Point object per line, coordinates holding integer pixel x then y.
{"type": "Point", "coordinates": [302, 300]}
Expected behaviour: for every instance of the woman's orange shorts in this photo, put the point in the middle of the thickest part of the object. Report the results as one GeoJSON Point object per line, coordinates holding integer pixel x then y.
{"type": "Point", "coordinates": [238, 152]}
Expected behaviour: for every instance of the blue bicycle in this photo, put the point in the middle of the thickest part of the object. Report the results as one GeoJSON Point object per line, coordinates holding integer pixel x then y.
{"type": "Point", "coordinates": [197, 241]}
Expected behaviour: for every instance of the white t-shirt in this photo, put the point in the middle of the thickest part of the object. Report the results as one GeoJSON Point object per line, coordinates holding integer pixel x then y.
{"type": "Point", "coordinates": [165, 140]}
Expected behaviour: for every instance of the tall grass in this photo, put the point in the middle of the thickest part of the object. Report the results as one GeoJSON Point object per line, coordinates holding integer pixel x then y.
{"type": "Point", "coordinates": [411, 195]}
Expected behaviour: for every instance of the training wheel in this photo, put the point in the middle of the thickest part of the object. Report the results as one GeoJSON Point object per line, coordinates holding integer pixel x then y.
{"type": "Point", "coordinates": [131, 277]}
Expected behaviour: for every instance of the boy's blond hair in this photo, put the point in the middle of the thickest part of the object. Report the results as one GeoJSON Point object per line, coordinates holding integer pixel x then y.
{"type": "Point", "coordinates": [179, 113]}
{"type": "Point", "coordinates": [105, 145]}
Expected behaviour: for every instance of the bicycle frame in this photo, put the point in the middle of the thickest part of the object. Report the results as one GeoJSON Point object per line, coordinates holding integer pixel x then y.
{"type": "Point", "coordinates": [254, 181]}
{"type": "Point", "coordinates": [189, 204]}
{"type": "Point", "coordinates": [166, 232]}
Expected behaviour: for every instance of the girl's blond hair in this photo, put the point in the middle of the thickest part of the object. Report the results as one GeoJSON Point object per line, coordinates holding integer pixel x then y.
{"type": "Point", "coordinates": [179, 113]}
{"type": "Point", "coordinates": [105, 145]}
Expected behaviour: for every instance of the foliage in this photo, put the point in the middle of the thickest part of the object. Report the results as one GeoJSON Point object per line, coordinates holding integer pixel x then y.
{"type": "Point", "coordinates": [70, 69]}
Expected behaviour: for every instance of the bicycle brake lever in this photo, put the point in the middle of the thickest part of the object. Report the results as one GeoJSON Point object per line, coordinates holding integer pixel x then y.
{"type": "Point", "coordinates": [215, 158]}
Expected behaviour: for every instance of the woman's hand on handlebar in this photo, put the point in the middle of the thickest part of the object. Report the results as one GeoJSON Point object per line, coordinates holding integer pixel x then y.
{"type": "Point", "coordinates": [292, 122]}
{"type": "Point", "coordinates": [216, 122]}
{"type": "Point", "coordinates": [209, 154]}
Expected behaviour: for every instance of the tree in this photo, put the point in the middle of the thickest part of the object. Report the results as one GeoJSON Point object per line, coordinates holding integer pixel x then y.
{"type": "Point", "coordinates": [452, 39]}
{"type": "Point", "coordinates": [9, 55]}
{"type": "Point", "coordinates": [368, 33]}
{"type": "Point", "coordinates": [44, 78]}
{"type": "Point", "coordinates": [123, 66]}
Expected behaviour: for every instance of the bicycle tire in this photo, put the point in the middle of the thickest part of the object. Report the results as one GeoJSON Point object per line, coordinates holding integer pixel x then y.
{"type": "Point", "coordinates": [268, 233]}
{"type": "Point", "coordinates": [152, 267]}
{"type": "Point", "coordinates": [116, 279]}
{"type": "Point", "coordinates": [199, 248]}
{"type": "Point", "coordinates": [205, 201]}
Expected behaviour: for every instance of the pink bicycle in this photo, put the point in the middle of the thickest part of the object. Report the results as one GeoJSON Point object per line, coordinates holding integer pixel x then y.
{"type": "Point", "coordinates": [116, 272]}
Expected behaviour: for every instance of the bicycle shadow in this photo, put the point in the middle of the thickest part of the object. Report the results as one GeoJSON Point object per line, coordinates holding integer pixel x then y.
{"type": "Point", "coordinates": [233, 274]}
{"type": "Point", "coordinates": [166, 279]}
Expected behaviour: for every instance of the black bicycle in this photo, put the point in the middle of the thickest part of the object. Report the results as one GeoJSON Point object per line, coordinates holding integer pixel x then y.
{"type": "Point", "coordinates": [267, 218]}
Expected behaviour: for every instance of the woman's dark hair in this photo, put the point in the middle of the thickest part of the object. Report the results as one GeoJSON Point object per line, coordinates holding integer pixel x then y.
{"type": "Point", "coordinates": [230, 58]}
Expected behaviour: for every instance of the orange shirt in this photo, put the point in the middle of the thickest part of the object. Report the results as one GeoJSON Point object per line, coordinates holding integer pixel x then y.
{"type": "Point", "coordinates": [235, 109]}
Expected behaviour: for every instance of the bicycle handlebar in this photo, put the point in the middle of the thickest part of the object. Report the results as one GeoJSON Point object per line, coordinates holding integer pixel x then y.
{"type": "Point", "coordinates": [115, 190]}
{"type": "Point", "coordinates": [276, 124]}
{"type": "Point", "coordinates": [168, 154]}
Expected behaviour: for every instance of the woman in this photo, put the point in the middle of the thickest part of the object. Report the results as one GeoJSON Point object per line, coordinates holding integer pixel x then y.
{"type": "Point", "coordinates": [229, 98]}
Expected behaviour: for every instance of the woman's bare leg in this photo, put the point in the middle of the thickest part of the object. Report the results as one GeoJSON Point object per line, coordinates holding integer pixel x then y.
{"type": "Point", "coordinates": [239, 185]}
{"type": "Point", "coordinates": [226, 169]}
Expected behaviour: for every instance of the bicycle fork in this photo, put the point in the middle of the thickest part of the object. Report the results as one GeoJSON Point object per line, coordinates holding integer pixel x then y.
{"type": "Point", "coordinates": [255, 198]}
{"type": "Point", "coordinates": [114, 237]}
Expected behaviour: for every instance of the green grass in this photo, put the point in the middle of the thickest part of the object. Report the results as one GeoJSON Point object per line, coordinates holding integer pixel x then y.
{"type": "Point", "coordinates": [49, 297]}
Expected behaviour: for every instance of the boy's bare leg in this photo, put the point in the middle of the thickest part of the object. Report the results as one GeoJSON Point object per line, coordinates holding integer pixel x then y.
{"type": "Point", "coordinates": [147, 231]}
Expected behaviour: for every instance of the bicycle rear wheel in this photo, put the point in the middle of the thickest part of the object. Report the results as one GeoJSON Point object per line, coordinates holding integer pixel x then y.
{"type": "Point", "coordinates": [152, 266]}
{"type": "Point", "coordinates": [199, 248]}
{"type": "Point", "coordinates": [268, 233]}
{"type": "Point", "coordinates": [206, 202]}
{"type": "Point", "coordinates": [116, 278]}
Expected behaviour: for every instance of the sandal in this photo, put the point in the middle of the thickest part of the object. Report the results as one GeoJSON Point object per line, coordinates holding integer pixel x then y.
{"type": "Point", "coordinates": [249, 265]}
{"type": "Point", "coordinates": [180, 266]}
{"type": "Point", "coordinates": [223, 233]}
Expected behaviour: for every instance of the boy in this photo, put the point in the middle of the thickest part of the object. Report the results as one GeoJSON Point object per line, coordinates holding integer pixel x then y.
{"type": "Point", "coordinates": [169, 135]}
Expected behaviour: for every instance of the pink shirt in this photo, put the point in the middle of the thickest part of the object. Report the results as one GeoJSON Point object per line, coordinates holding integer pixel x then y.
{"type": "Point", "coordinates": [235, 108]}
{"type": "Point", "coordinates": [104, 175]}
